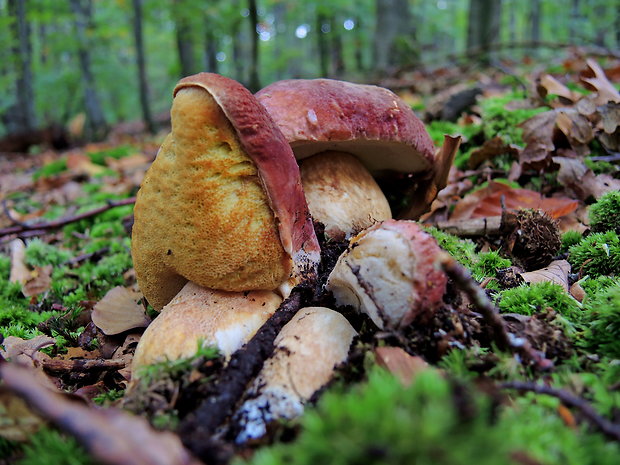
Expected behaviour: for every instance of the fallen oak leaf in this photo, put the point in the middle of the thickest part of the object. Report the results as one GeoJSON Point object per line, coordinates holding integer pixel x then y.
{"type": "Point", "coordinates": [39, 282]}
{"type": "Point", "coordinates": [574, 175]}
{"type": "Point", "coordinates": [490, 149]}
{"type": "Point", "coordinates": [111, 436]}
{"type": "Point", "coordinates": [556, 272]}
{"type": "Point", "coordinates": [398, 362]}
{"type": "Point", "coordinates": [550, 85]}
{"type": "Point", "coordinates": [595, 78]}
{"type": "Point", "coordinates": [119, 311]}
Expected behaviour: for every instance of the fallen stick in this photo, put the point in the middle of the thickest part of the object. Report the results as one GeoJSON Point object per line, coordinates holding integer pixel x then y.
{"type": "Point", "coordinates": [502, 337]}
{"type": "Point", "coordinates": [81, 365]}
{"type": "Point", "coordinates": [489, 226]}
{"type": "Point", "coordinates": [609, 429]}
{"type": "Point", "coordinates": [55, 224]}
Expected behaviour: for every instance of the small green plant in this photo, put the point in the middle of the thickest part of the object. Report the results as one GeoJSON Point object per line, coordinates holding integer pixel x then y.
{"type": "Point", "coordinates": [603, 332]}
{"type": "Point", "coordinates": [569, 239]}
{"type": "Point", "coordinates": [596, 255]}
{"type": "Point", "coordinates": [121, 151]}
{"type": "Point", "coordinates": [437, 129]}
{"type": "Point", "coordinates": [110, 396]}
{"type": "Point", "coordinates": [49, 447]}
{"type": "Point", "coordinates": [39, 253]}
{"type": "Point", "coordinates": [51, 169]}
{"type": "Point", "coordinates": [463, 250]}
{"type": "Point", "coordinates": [529, 299]}
{"type": "Point", "coordinates": [487, 265]}
{"type": "Point", "coordinates": [605, 213]}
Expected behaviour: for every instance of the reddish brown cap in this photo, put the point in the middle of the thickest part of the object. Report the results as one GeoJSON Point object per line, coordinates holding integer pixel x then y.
{"type": "Point", "coordinates": [371, 122]}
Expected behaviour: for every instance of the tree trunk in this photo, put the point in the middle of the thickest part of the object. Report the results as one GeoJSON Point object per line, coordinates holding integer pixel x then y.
{"type": "Point", "coordinates": [185, 45]}
{"type": "Point", "coordinates": [323, 48]}
{"type": "Point", "coordinates": [23, 110]}
{"type": "Point", "coordinates": [535, 13]}
{"type": "Point", "coordinates": [359, 45]}
{"type": "Point", "coordinates": [254, 83]}
{"type": "Point", "coordinates": [338, 65]}
{"type": "Point", "coordinates": [395, 45]}
{"type": "Point", "coordinates": [211, 63]}
{"type": "Point", "coordinates": [600, 12]}
{"type": "Point", "coordinates": [483, 28]}
{"type": "Point", "coordinates": [82, 13]}
{"type": "Point", "coordinates": [573, 24]}
{"type": "Point", "coordinates": [141, 62]}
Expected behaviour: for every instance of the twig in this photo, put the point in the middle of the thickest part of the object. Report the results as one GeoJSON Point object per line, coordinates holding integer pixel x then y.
{"type": "Point", "coordinates": [609, 429]}
{"type": "Point", "coordinates": [81, 365]}
{"type": "Point", "coordinates": [9, 215]}
{"type": "Point", "coordinates": [489, 226]}
{"type": "Point", "coordinates": [502, 337]}
{"type": "Point", "coordinates": [615, 156]}
{"type": "Point", "coordinates": [198, 428]}
{"type": "Point", "coordinates": [55, 224]}
{"type": "Point", "coordinates": [96, 255]}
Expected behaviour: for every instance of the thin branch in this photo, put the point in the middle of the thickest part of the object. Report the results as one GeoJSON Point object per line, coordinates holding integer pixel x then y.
{"type": "Point", "coordinates": [609, 429]}
{"type": "Point", "coordinates": [502, 337]}
{"type": "Point", "coordinates": [55, 224]}
{"type": "Point", "coordinates": [82, 365]}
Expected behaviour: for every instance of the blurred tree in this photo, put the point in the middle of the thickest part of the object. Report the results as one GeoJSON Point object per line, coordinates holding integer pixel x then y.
{"type": "Point", "coordinates": [141, 62]}
{"type": "Point", "coordinates": [182, 11]}
{"type": "Point", "coordinates": [82, 19]}
{"type": "Point", "coordinates": [21, 117]}
{"type": "Point", "coordinates": [254, 82]}
{"type": "Point", "coordinates": [483, 29]}
{"type": "Point", "coordinates": [395, 44]}
{"type": "Point", "coordinates": [535, 14]}
{"type": "Point", "coordinates": [322, 29]}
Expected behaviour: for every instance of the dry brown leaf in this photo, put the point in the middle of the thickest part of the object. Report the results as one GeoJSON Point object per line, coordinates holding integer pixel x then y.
{"type": "Point", "coordinates": [574, 175]}
{"type": "Point", "coordinates": [16, 346]}
{"type": "Point", "coordinates": [398, 362]}
{"type": "Point", "coordinates": [550, 85]}
{"type": "Point", "coordinates": [488, 202]}
{"type": "Point", "coordinates": [80, 163]}
{"type": "Point", "coordinates": [111, 436]}
{"type": "Point", "coordinates": [19, 271]}
{"type": "Point", "coordinates": [595, 77]}
{"type": "Point", "coordinates": [119, 311]}
{"type": "Point", "coordinates": [490, 149]}
{"type": "Point", "coordinates": [39, 282]}
{"type": "Point", "coordinates": [17, 421]}
{"type": "Point", "coordinates": [576, 127]}
{"type": "Point", "coordinates": [538, 137]}
{"type": "Point", "coordinates": [577, 292]}
{"type": "Point", "coordinates": [556, 272]}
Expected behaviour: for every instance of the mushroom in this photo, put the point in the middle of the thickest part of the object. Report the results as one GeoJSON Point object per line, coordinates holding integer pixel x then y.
{"type": "Point", "coordinates": [331, 118]}
{"type": "Point", "coordinates": [222, 204]}
{"type": "Point", "coordinates": [222, 319]}
{"type": "Point", "coordinates": [390, 272]}
{"type": "Point", "coordinates": [307, 350]}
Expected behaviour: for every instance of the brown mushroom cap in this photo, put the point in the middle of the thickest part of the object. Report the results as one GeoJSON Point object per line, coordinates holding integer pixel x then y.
{"type": "Point", "coordinates": [222, 205]}
{"type": "Point", "coordinates": [370, 122]}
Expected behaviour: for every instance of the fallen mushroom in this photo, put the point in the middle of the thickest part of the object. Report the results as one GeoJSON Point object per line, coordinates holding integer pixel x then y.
{"type": "Point", "coordinates": [307, 350]}
{"type": "Point", "coordinates": [389, 272]}
{"type": "Point", "coordinates": [226, 320]}
{"type": "Point", "coordinates": [331, 118]}
{"type": "Point", "coordinates": [222, 204]}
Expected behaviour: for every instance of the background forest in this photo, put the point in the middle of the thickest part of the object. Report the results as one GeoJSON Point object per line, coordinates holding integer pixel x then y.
{"type": "Point", "coordinates": [107, 61]}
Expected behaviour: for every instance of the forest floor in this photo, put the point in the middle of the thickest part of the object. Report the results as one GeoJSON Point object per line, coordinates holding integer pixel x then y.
{"type": "Point", "coordinates": [521, 364]}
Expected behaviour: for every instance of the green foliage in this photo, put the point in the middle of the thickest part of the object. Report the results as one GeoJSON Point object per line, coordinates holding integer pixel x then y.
{"type": "Point", "coordinates": [487, 265]}
{"type": "Point", "coordinates": [497, 120]}
{"type": "Point", "coordinates": [529, 299]}
{"type": "Point", "coordinates": [118, 152]}
{"type": "Point", "coordinates": [603, 332]}
{"type": "Point", "coordinates": [433, 421]}
{"type": "Point", "coordinates": [605, 213]}
{"type": "Point", "coordinates": [597, 255]}
{"type": "Point", "coordinates": [110, 396]}
{"type": "Point", "coordinates": [593, 286]}
{"type": "Point", "coordinates": [463, 250]}
{"type": "Point", "coordinates": [437, 129]}
{"type": "Point", "coordinates": [39, 253]}
{"type": "Point", "coordinates": [51, 169]}
{"type": "Point", "coordinates": [600, 167]}
{"type": "Point", "coordinates": [569, 239]}
{"type": "Point", "coordinates": [49, 447]}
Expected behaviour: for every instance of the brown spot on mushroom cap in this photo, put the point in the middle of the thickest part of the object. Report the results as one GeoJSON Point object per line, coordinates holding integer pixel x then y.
{"type": "Point", "coordinates": [369, 121]}
{"type": "Point", "coordinates": [222, 205]}
{"type": "Point", "coordinates": [226, 320]}
{"type": "Point", "coordinates": [342, 194]}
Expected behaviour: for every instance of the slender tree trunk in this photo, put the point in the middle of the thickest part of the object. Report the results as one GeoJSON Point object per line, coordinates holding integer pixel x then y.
{"type": "Point", "coordinates": [237, 50]}
{"type": "Point", "coordinates": [573, 24]}
{"type": "Point", "coordinates": [254, 83]}
{"type": "Point", "coordinates": [600, 11]}
{"type": "Point", "coordinates": [24, 115]}
{"type": "Point", "coordinates": [338, 65]}
{"type": "Point", "coordinates": [141, 62]}
{"type": "Point", "coordinates": [82, 13]}
{"type": "Point", "coordinates": [535, 14]}
{"type": "Point", "coordinates": [323, 48]}
{"type": "Point", "coordinates": [395, 45]}
{"type": "Point", "coordinates": [185, 45]}
{"type": "Point", "coordinates": [483, 27]}
{"type": "Point", "coordinates": [211, 63]}
{"type": "Point", "coordinates": [512, 24]}
{"type": "Point", "coordinates": [359, 45]}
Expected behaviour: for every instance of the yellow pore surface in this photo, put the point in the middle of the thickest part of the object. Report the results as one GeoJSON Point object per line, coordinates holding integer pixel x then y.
{"type": "Point", "coordinates": [202, 214]}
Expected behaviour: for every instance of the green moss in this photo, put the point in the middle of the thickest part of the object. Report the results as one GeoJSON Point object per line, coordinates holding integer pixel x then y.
{"type": "Point", "coordinates": [529, 299]}
{"type": "Point", "coordinates": [569, 239]}
{"type": "Point", "coordinates": [121, 151]}
{"type": "Point", "coordinates": [51, 169]}
{"type": "Point", "coordinates": [605, 213]}
{"type": "Point", "coordinates": [603, 332]}
{"type": "Point", "coordinates": [39, 253]}
{"type": "Point", "coordinates": [499, 121]}
{"type": "Point", "coordinates": [596, 255]}
{"type": "Point", "coordinates": [487, 265]}
{"type": "Point", "coordinates": [600, 167]}
{"type": "Point", "coordinates": [437, 129]}
{"type": "Point", "coordinates": [593, 286]}
{"type": "Point", "coordinates": [463, 250]}
{"type": "Point", "coordinates": [109, 396]}
{"type": "Point", "coordinates": [49, 447]}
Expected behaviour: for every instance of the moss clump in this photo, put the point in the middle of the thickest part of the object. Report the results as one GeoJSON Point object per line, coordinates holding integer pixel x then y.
{"type": "Point", "coordinates": [39, 253]}
{"type": "Point", "coordinates": [499, 121]}
{"type": "Point", "coordinates": [463, 250]}
{"type": "Point", "coordinates": [529, 299]}
{"type": "Point", "coordinates": [437, 129]}
{"type": "Point", "coordinates": [49, 447]}
{"type": "Point", "coordinates": [603, 332]}
{"type": "Point", "coordinates": [596, 255]}
{"type": "Point", "coordinates": [51, 169]}
{"type": "Point", "coordinates": [569, 239]}
{"type": "Point", "coordinates": [605, 213]}
{"type": "Point", "coordinates": [488, 264]}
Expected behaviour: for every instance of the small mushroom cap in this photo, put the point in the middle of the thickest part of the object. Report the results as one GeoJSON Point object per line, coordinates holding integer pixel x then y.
{"type": "Point", "coordinates": [390, 273]}
{"type": "Point", "coordinates": [342, 194]}
{"type": "Point", "coordinates": [223, 319]}
{"type": "Point", "coordinates": [307, 350]}
{"type": "Point", "coordinates": [222, 205]}
{"type": "Point", "coordinates": [370, 122]}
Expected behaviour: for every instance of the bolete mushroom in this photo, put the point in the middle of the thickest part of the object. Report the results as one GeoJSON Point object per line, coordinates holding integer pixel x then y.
{"type": "Point", "coordinates": [222, 205]}
{"type": "Point", "coordinates": [307, 350]}
{"type": "Point", "coordinates": [390, 272]}
{"type": "Point", "coordinates": [335, 118]}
